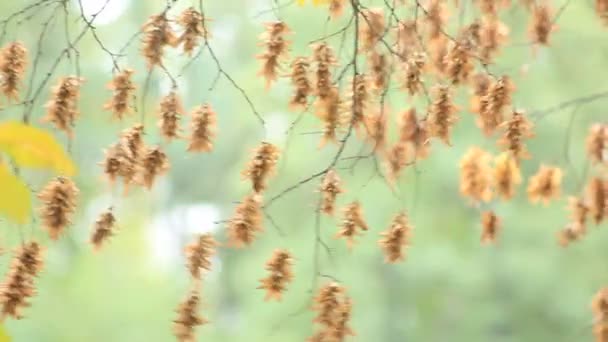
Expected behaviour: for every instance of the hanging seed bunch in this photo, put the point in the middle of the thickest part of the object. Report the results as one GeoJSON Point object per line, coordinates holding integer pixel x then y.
{"type": "Point", "coordinates": [276, 49]}
{"type": "Point", "coordinates": [442, 115]}
{"type": "Point", "coordinates": [280, 274]}
{"type": "Point", "coordinates": [199, 254]}
{"type": "Point", "coordinates": [333, 309]}
{"type": "Point", "coordinates": [413, 133]}
{"type": "Point", "coordinates": [476, 175]}
{"type": "Point", "coordinates": [359, 98]}
{"type": "Point", "coordinates": [330, 189]}
{"type": "Point", "coordinates": [413, 69]}
{"type": "Point", "coordinates": [154, 163]}
{"type": "Point", "coordinates": [246, 221]}
{"type": "Point", "coordinates": [336, 8]}
{"type": "Point", "coordinates": [157, 34]}
{"type": "Point", "coordinates": [13, 59]}
{"type": "Point", "coordinates": [170, 113]}
{"type": "Point", "coordinates": [353, 223]}
{"type": "Point", "coordinates": [300, 82]}
{"type": "Point", "coordinates": [493, 104]}
{"type": "Point", "coordinates": [599, 307]}
{"type": "Point", "coordinates": [396, 160]}
{"type": "Point", "coordinates": [111, 163]}
{"type": "Point", "coordinates": [379, 71]}
{"type": "Point", "coordinates": [541, 24]}
{"type": "Point", "coordinates": [516, 129]}
{"type": "Point", "coordinates": [407, 41]}
{"type": "Point", "coordinates": [459, 65]}
{"type": "Point", "coordinates": [195, 28]}
{"type": "Point", "coordinates": [597, 144]}
{"type": "Point", "coordinates": [203, 129]}
{"type": "Point", "coordinates": [128, 153]}
{"type": "Point", "coordinates": [18, 286]}
{"type": "Point", "coordinates": [123, 92]}
{"type": "Point", "coordinates": [395, 240]}
{"type": "Point", "coordinates": [103, 229]}
{"type": "Point", "coordinates": [329, 112]}
{"type": "Point", "coordinates": [375, 125]}
{"type": "Point", "coordinates": [601, 8]}
{"type": "Point", "coordinates": [262, 166]}
{"type": "Point", "coordinates": [490, 227]}
{"type": "Point", "coordinates": [323, 59]}
{"type": "Point", "coordinates": [188, 318]}
{"type": "Point", "coordinates": [597, 195]}
{"type": "Point", "coordinates": [480, 86]}
{"type": "Point", "coordinates": [436, 18]}
{"type": "Point", "coordinates": [58, 205]}
{"type": "Point", "coordinates": [62, 108]}
{"type": "Point", "coordinates": [507, 175]}
{"type": "Point", "coordinates": [545, 185]}
{"type": "Point", "coordinates": [493, 34]}
{"type": "Point", "coordinates": [576, 228]}
{"type": "Point", "coordinates": [371, 28]}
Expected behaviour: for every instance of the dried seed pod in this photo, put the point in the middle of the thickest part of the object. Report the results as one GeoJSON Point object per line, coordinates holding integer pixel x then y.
{"type": "Point", "coordinates": [476, 175]}
{"type": "Point", "coordinates": [246, 221]}
{"type": "Point", "coordinates": [395, 240]}
{"type": "Point", "coordinates": [170, 113]}
{"type": "Point", "coordinates": [188, 318]}
{"type": "Point", "coordinates": [507, 175]}
{"type": "Point", "coordinates": [329, 112]}
{"type": "Point", "coordinates": [330, 188]}
{"type": "Point", "coordinates": [541, 24]}
{"type": "Point", "coordinates": [579, 210]}
{"type": "Point", "coordinates": [371, 27]}
{"type": "Point", "coordinates": [375, 126]}
{"type": "Point", "coordinates": [516, 129]}
{"type": "Point", "coordinates": [436, 18]}
{"type": "Point", "coordinates": [279, 267]}
{"type": "Point", "coordinates": [103, 229]}
{"type": "Point", "coordinates": [442, 115]}
{"type": "Point", "coordinates": [490, 227]}
{"type": "Point", "coordinates": [195, 28]}
{"type": "Point", "coordinates": [597, 143]}
{"type": "Point", "coordinates": [154, 163]}
{"type": "Point", "coordinates": [597, 194]}
{"type": "Point", "coordinates": [157, 34]}
{"type": "Point", "coordinates": [336, 8]}
{"type": "Point", "coordinates": [300, 82]}
{"type": "Point", "coordinates": [407, 41]}
{"type": "Point", "coordinates": [203, 129]}
{"type": "Point", "coordinates": [413, 68]}
{"type": "Point", "coordinates": [199, 253]}
{"type": "Point", "coordinates": [458, 62]}
{"type": "Point", "coordinates": [13, 59]}
{"type": "Point", "coordinates": [601, 8]}
{"type": "Point", "coordinates": [570, 233]}
{"type": "Point", "coordinates": [58, 205]}
{"type": "Point", "coordinates": [111, 163]}
{"type": "Point", "coordinates": [493, 104]}
{"type": "Point", "coordinates": [414, 134]}
{"type": "Point", "coordinates": [396, 160]}
{"type": "Point", "coordinates": [352, 224]}
{"type": "Point", "coordinates": [379, 71]}
{"type": "Point", "coordinates": [545, 185]}
{"type": "Point", "coordinates": [62, 108]}
{"type": "Point", "coordinates": [276, 49]}
{"type": "Point", "coordinates": [359, 97]}
{"type": "Point", "coordinates": [324, 59]}
{"type": "Point", "coordinates": [480, 86]}
{"type": "Point", "coordinates": [123, 91]}
{"type": "Point", "coordinates": [18, 286]}
{"type": "Point", "coordinates": [599, 307]}
{"type": "Point", "coordinates": [261, 166]}
{"type": "Point", "coordinates": [333, 309]}
{"type": "Point", "coordinates": [492, 36]}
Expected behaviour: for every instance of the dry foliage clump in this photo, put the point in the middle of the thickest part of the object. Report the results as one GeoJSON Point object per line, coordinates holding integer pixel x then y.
{"type": "Point", "coordinates": [276, 49]}
{"type": "Point", "coordinates": [157, 34]}
{"type": "Point", "coordinates": [599, 307]}
{"type": "Point", "coordinates": [333, 311]}
{"type": "Point", "coordinates": [103, 229]}
{"type": "Point", "coordinates": [507, 175]}
{"type": "Point", "coordinates": [58, 198]}
{"type": "Point", "coordinates": [396, 239]}
{"type": "Point", "coordinates": [188, 318]}
{"type": "Point", "coordinates": [203, 129]}
{"type": "Point", "coordinates": [300, 82]}
{"type": "Point", "coordinates": [262, 166]}
{"type": "Point", "coordinates": [597, 143]}
{"type": "Point", "coordinates": [154, 163]}
{"type": "Point", "coordinates": [493, 104]}
{"type": "Point", "coordinates": [246, 221]}
{"type": "Point", "coordinates": [541, 24]}
{"type": "Point", "coordinates": [280, 274]}
{"type": "Point", "coordinates": [62, 108]}
{"type": "Point", "coordinates": [199, 254]}
{"type": "Point", "coordinates": [194, 27]}
{"type": "Point", "coordinates": [170, 113]}
{"type": "Point", "coordinates": [442, 115]}
{"type": "Point", "coordinates": [353, 223]}
{"type": "Point", "coordinates": [516, 130]}
{"type": "Point", "coordinates": [545, 185]}
{"type": "Point", "coordinates": [13, 59]}
{"type": "Point", "coordinates": [330, 189]}
{"type": "Point", "coordinates": [490, 227]}
{"type": "Point", "coordinates": [476, 175]}
{"type": "Point", "coordinates": [123, 92]}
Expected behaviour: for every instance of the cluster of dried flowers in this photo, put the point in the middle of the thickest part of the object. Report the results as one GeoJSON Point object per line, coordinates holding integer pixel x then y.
{"type": "Point", "coordinates": [333, 310]}
{"type": "Point", "coordinates": [280, 274]}
{"type": "Point", "coordinates": [18, 285]}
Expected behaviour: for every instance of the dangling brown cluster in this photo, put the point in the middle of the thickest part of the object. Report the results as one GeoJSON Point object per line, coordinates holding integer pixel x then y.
{"type": "Point", "coordinates": [407, 41]}
{"type": "Point", "coordinates": [395, 240]}
{"type": "Point", "coordinates": [576, 228]}
{"type": "Point", "coordinates": [194, 24]}
{"type": "Point", "coordinates": [597, 143]}
{"type": "Point", "coordinates": [541, 24]}
{"type": "Point", "coordinates": [262, 166]}
{"type": "Point", "coordinates": [490, 227]}
{"type": "Point", "coordinates": [507, 175]}
{"type": "Point", "coordinates": [279, 267]}
{"type": "Point", "coordinates": [329, 112]}
{"type": "Point", "coordinates": [458, 62]}
{"type": "Point", "coordinates": [436, 17]}
{"type": "Point", "coordinates": [494, 103]}
{"type": "Point", "coordinates": [516, 129]}
{"type": "Point", "coordinates": [18, 286]}
{"type": "Point", "coordinates": [442, 115]}
{"type": "Point", "coordinates": [476, 175]}
{"type": "Point", "coordinates": [13, 59]}
{"type": "Point", "coordinates": [103, 229]}
{"type": "Point", "coordinates": [375, 126]}
{"type": "Point", "coordinates": [123, 91]}
{"type": "Point", "coordinates": [371, 27]}
{"type": "Point", "coordinates": [597, 195]}
{"type": "Point", "coordinates": [324, 59]}
{"type": "Point", "coordinates": [188, 318]}
{"type": "Point", "coordinates": [413, 68]}
{"type": "Point", "coordinates": [58, 205]}
{"type": "Point", "coordinates": [154, 163]}
{"type": "Point", "coordinates": [123, 159]}
{"type": "Point", "coordinates": [492, 36]}
{"type": "Point", "coordinates": [170, 113]}
{"type": "Point", "coordinates": [199, 253]}
{"type": "Point", "coordinates": [330, 188]}
{"type": "Point", "coordinates": [480, 85]}
{"type": "Point", "coordinates": [601, 8]}
{"type": "Point", "coordinates": [379, 70]}
{"type": "Point", "coordinates": [62, 108]}
{"type": "Point", "coordinates": [353, 223]}
{"type": "Point", "coordinates": [334, 309]}
{"type": "Point", "coordinates": [413, 133]}
{"type": "Point", "coordinates": [246, 221]}
{"type": "Point", "coordinates": [599, 306]}
{"type": "Point", "coordinates": [276, 48]}
{"type": "Point", "coordinates": [545, 185]}
{"type": "Point", "coordinates": [359, 98]}
{"type": "Point", "coordinates": [300, 82]}
{"type": "Point", "coordinates": [336, 8]}
{"type": "Point", "coordinates": [157, 34]}
{"type": "Point", "coordinates": [203, 129]}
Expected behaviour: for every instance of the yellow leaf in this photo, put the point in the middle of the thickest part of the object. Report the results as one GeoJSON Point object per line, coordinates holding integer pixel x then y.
{"type": "Point", "coordinates": [32, 147]}
{"type": "Point", "coordinates": [4, 337]}
{"type": "Point", "coordinates": [15, 199]}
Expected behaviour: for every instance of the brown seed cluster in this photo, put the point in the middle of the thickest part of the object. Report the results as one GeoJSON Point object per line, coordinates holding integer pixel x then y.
{"type": "Point", "coordinates": [62, 108]}
{"type": "Point", "coordinates": [18, 285]}
{"type": "Point", "coordinates": [336, 8]}
{"type": "Point", "coordinates": [395, 240]}
{"type": "Point", "coordinates": [413, 69]}
{"type": "Point", "coordinates": [545, 185]}
{"type": "Point", "coordinates": [58, 198]}
{"type": "Point", "coordinates": [123, 92]}
{"type": "Point", "coordinates": [13, 60]}
{"type": "Point", "coordinates": [276, 48]}
{"type": "Point", "coordinates": [359, 97]}
{"type": "Point", "coordinates": [199, 254]}
{"type": "Point", "coordinates": [170, 113]}
{"type": "Point", "coordinates": [157, 34]}
{"type": "Point", "coordinates": [154, 163]}
{"type": "Point", "coordinates": [507, 175]}
{"type": "Point", "coordinates": [413, 143]}
{"type": "Point", "coordinates": [203, 129]}
{"type": "Point", "coordinates": [516, 130]}
{"type": "Point", "coordinates": [188, 317]}
{"type": "Point", "coordinates": [103, 229]}
{"type": "Point", "coordinates": [476, 175]}
{"type": "Point", "coordinates": [597, 143]}
{"type": "Point", "coordinates": [333, 310]}
{"type": "Point", "coordinates": [442, 115]}
{"type": "Point", "coordinates": [194, 25]}
{"type": "Point", "coordinates": [576, 228]}
{"type": "Point", "coordinates": [261, 166]}
{"type": "Point", "coordinates": [330, 189]}
{"type": "Point", "coordinates": [541, 24]}
{"type": "Point", "coordinates": [494, 103]}
{"type": "Point", "coordinates": [246, 222]}
{"type": "Point", "coordinates": [371, 28]}
{"type": "Point", "coordinates": [490, 227]}
{"type": "Point", "coordinates": [353, 223]}
{"type": "Point", "coordinates": [601, 8]}
{"type": "Point", "coordinates": [599, 307]}
{"type": "Point", "coordinates": [280, 274]}
{"type": "Point", "coordinates": [300, 82]}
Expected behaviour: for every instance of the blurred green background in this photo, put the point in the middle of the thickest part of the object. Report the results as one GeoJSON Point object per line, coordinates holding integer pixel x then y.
{"type": "Point", "coordinates": [450, 288]}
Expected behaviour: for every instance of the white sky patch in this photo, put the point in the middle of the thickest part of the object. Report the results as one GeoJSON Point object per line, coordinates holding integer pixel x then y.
{"type": "Point", "coordinates": [112, 11]}
{"type": "Point", "coordinates": [277, 124]}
